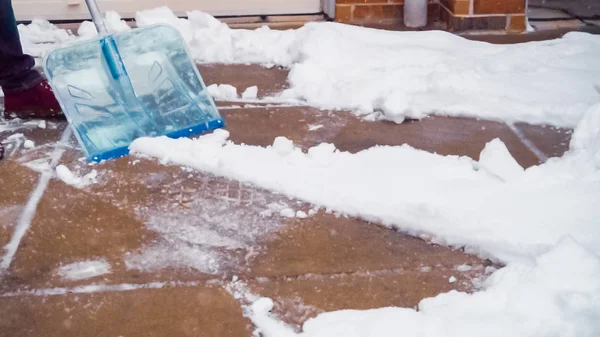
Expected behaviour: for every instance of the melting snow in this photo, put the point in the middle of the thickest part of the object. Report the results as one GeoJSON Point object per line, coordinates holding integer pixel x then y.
{"type": "Point", "coordinates": [84, 270]}
{"type": "Point", "coordinates": [224, 92]}
{"type": "Point", "coordinates": [63, 173]}
{"type": "Point", "coordinates": [250, 93]}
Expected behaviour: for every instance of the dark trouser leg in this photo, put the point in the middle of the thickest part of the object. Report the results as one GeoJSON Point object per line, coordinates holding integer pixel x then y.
{"type": "Point", "coordinates": [16, 68]}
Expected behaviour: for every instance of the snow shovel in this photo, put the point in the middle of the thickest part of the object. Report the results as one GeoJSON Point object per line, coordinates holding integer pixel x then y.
{"type": "Point", "coordinates": [119, 87]}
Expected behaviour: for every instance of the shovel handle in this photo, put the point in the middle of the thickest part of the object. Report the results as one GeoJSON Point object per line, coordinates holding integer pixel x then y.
{"type": "Point", "coordinates": [96, 17]}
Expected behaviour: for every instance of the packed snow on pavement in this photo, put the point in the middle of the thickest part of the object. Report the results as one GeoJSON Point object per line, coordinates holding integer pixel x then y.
{"type": "Point", "coordinates": [542, 222]}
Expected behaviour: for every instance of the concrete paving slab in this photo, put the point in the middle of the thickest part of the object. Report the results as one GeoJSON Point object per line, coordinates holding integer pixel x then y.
{"type": "Point", "coordinates": [132, 193]}
{"type": "Point", "coordinates": [269, 81]}
{"type": "Point", "coordinates": [327, 244]}
{"type": "Point", "coordinates": [182, 228]}
{"type": "Point", "coordinates": [550, 141]}
{"type": "Point", "coordinates": [15, 133]}
{"type": "Point", "coordinates": [578, 8]}
{"type": "Point", "coordinates": [72, 226]}
{"type": "Point", "coordinates": [16, 184]}
{"type": "Point", "coordinates": [174, 312]}
{"type": "Point", "coordinates": [442, 135]}
{"type": "Point", "coordinates": [301, 298]}
{"type": "Point", "coordinates": [327, 263]}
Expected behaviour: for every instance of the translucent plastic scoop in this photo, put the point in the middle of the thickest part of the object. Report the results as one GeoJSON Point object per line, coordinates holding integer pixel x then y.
{"type": "Point", "coordinates": [120, 87]}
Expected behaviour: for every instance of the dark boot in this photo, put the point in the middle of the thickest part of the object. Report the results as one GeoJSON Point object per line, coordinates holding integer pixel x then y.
{"type": "Point", "coordinates": [35, 102]}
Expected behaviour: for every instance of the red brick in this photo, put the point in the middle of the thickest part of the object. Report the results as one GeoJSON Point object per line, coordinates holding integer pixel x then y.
{"type": "Point", "coordinates": [516, 23]}
{"type": "Point", "coordinates": [343, 13]}
{"type": "Point", "coordinates": [499, 6]}
{"type": "Point", "coordinates": [341, 2]}
{"type": "Point", "coordinates": [460, 7]}
{"type": "Point", "coordinates": [375, 12]}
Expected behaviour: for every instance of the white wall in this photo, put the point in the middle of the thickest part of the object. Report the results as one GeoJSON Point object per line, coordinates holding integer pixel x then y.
{"type": "Point", "coordinates": [77, 10]}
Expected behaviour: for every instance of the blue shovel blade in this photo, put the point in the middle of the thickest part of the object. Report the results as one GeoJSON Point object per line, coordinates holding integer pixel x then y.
{"type": "Point", "coordinates": [141, 83]}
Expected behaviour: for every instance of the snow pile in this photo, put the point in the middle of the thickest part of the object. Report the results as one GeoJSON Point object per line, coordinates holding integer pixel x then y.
{"type": "Point", "coordinates": [390, 75]}
{"type": "Point", "coordinates": [492, 207]}
{"type": "Point", "coordinates": [411, 74]}
{"type": "Point", "coordinates": [464, 268]}
{"type": "Point", "coordinates": [16, 140]}
{"type": "Point", "coordinates": [586, 139]}
{"type": "Point", "coordinates": [87, 29]}
{"type": "Point", "coordinates": [40, 36]}
{"type": "Point", "coordinates": [398, 75]}
{"type": "Point", "coordinates": [63, 173]}
{"type": "Point", "coordinates": [114, 24]}
{"type": "Point", "coordinates": [223, 92]}
{"type": "Point", "coordinates": [250, 93]}
{"type": "Point", "coordinates": [84, 270]}
{"type": "Point", "coordinates": [29, 144]}
{"type": "Point", "coordinates": [287, 213]}
{"type": "Point", "coordinates": [496, 158]}
{"type": "Point", "coordinates": [184, 256]}
{"type": "Point", "coordinates": [551, 296]}
{"type": "Point", "coordinates": [212, 41]}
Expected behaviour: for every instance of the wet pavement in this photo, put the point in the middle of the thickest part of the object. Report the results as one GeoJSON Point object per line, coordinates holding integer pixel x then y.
{"type": "Point", "coordinates": [185, 247]}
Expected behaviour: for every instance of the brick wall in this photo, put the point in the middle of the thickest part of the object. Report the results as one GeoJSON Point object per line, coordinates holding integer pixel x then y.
{"type": "Point", "coordinates": [506, 15]}
{"type": "Point", "coordinates": [355, 11]}
{"type": "Point", "coordinates": [457, 15]}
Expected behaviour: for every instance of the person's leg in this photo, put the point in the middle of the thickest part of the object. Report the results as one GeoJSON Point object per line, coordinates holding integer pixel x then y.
{"type": "Point", "coordinates": [26, 92]}
{"type": "Point", "coordinates": [16, 68]}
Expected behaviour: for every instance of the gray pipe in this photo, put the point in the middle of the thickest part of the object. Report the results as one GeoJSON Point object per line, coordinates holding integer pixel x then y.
{"type": "Point", "coordinates": [96, 17]}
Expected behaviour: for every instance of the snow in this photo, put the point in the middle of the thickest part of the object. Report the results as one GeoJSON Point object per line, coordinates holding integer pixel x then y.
{"type": "Point", "coordinates": [267, 325]}
{"type": "Point", "coordinates": [28, 144]}
{"type": "Point", "coordinates": [84, 270]}
{"type": "Point", "coordinates": [496, 159]}
{"type": "Point", "coordinates": [114, 24]}
{"type": "Point", "coordinates": [301, 215]}
{"type": "Point", "coordinates": [42, 124]}
{"type": "Point", "coordinates": [250, 93]}
{"type": "Point", "coordinates": [99, 288]}
{"type": "Point", "coordinates": [63, 173]}
{"type": "Point", "coordinates": [40, 36]}
{"type": "Point", "coordinates": [87, 29]}
{"type": "Point", "coordinates": [543, 222]}
{"type": "Point", "coordinates": [16, 140]}
{"type": "Point", "coordinates": [464, 268]}
{"type": "Point", "coordinates": [287, 213]}
{"type": "Point", "coordinates": [283, 146]}
{"type": "Point", "coordinates": [224, 92]}
{"type": "Point", "coordinates": [390, 75]}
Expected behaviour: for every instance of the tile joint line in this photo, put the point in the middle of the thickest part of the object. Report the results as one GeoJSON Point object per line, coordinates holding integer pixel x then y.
{"type": "Point", "coordinates": [30, 208]}
{"type": "Point", "coordinates": [529, 144]}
